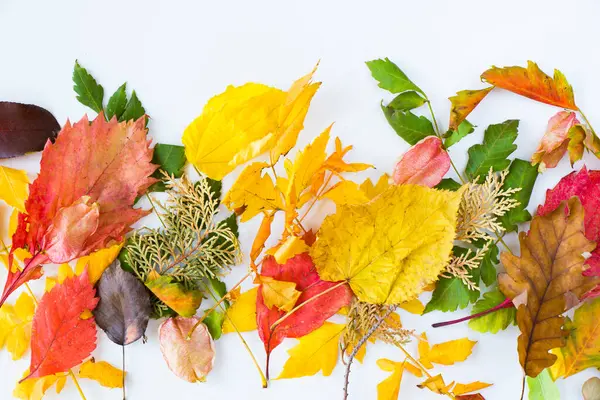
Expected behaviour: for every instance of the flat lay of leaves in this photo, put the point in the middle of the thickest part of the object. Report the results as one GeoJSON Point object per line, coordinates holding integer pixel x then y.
{"type": "Point", "coordinates": [422, 238]}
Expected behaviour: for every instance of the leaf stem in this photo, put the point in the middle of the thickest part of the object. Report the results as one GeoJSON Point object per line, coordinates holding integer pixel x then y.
{"type": "Point", "coordinates": [155, 210]}
{"type": "Point", "coordinates": [72, 375]}
{"type": "Point", "coordinates": [507, 303]}
{"type": "Point", "coordinates": [437, 129]}
{"type": "Point", "coordinates": [319, 193]}
{"type": "Point", "coordinates": [123, 365]}
{"type": "Point", "coordinates": [586, 120]}
{"type": "Point", "coordinates": [501, 240]}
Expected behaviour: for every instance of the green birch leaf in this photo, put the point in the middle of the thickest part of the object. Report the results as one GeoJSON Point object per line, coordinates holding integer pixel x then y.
{"type": "Point", "coordinates": [117, 103]}
{"type": "Point", "coordinates": [452, 137]}
{"type": "Point", "coordinates": [407, 101]}
{"type": "Point", "coordinates": [495, 321]}
{"type": "Point", "coordinates": [390, 77]}
{"type": "Point", "coordinates": [448, 184]}
{"type": "Point", "coordinates": [521, 174]}
{"type": "Point", "coordinates": [408, 126]}
{"type": "Point", "coordinates": [133, 109]}
{"type": "Point", "coordinates": [543, 387]}
{"type": "Point", "coordinates": [170, 159]}
{"type": "Point", "coordinates": [89, 92]}
{"type": "Point", "coordinates": [498, 144]}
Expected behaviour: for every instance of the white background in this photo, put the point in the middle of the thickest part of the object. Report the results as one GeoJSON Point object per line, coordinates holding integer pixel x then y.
{"type": "Point", "coordinates": [177, 54]}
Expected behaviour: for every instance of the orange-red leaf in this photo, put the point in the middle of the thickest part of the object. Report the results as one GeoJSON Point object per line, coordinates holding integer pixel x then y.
{"type": "Point", "coordinates": [556, 139]}
{"type": "Point", "coordinates": [463, 103]}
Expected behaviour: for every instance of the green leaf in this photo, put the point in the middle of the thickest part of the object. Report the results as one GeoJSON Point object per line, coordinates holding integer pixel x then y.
{"type": "Point", "coordinates": [215, 187]}
{"type": "Point", "coordinates": [134, 109]}
{"type": "Point", "coordinates": [390, 77]}
{"type": "Point", "coordinates": [408, 126]}
{"type": "Point", "coordinates": [89, 92]}
{"type": "Point", "coordinates": [543, 387]}
{"type": "Point", "coordinates": [214, 320]}
{"type": "Point", "coordinates": [521, 174]}
{"type": "Point", "coordinates": [448, 184]}
{"type": "Point", "coordinates": [452, 137]}
{"type": "Point", "coordinates": [117, 103]}
{"type": "Point", "coordinates": [489, 262]}
{"type": "Point", "coordinates": [407, 101]}
{"type": "Point", "coordinates": [498, 144]}
{"type": "Point", "coordinates": [495, 321]}
{"type": "Point", "coordinates": [170, 159]}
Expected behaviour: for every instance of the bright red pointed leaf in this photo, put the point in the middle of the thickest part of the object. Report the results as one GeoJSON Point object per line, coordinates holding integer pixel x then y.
{"type": "Point", "coordinates": [585, 185]}
{"type": "Point", "coordinates": [424, 164]}
{"type": "Point", "coordinates": [83, 197]}
{"type": "Point", "coordinates": [60, 337]}
{"type": "Point", "coordinates": [301, 270]}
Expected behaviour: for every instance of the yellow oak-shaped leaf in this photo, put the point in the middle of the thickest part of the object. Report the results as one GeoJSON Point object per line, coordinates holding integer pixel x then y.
{"type": "Point", "coordinates": [371, 191]}
{"type": "Point", "coordinates": [35, 388]}
{"type": "Point", "coordinates": [392, 247]}
{"type": "Point", "coordinates": [346, 193]}
{"type": "Point", "coordinates": [317, 351]}
{"type": "Point", "coordinates": [446, 353]}
{"type": "Point", "coordinates": [15, 325]}
{"type": "Point", "coordinates": [97, 262]}
{"type": "Point", "coordinates": [14, 186]}
{"type": "Point", "coordinates": [253, 193]}
{"type": "Point", "coordinates": [242, 313]}
{"type": "Point", "coordinates": [102, 372]}
{"type": "Point", "coordinates": [280, 294]}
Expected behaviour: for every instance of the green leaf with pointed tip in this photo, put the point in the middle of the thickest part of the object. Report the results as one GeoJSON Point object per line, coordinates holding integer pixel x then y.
{"type": "Point", "coordinates": [215, 187]}
{"type": "Point", "coordinates": [489, 262]}
{"type": "Point", "coordinates": [407, 101]}
{"type": "Point", "coordinates": [498, 144]}
{"type": "Point", "coordinates": [133, 109]}
{"type": "Point", "coordinates": [214, 320]}
{"type": "Point", "coordinates": [543, 387]}
{"type": "Point", "coordinates": [117, 103]}
{"type": "Point", "coordinates": [521, 174]}
{"type": "Point", "coordinates": [448, 184]}
{"type": "Point", "coordinates": [170, 159]}
{"type": "Point", "coordinates": [408, 126]}
{"type": "Point", "coordinates": [89, 92]}
{"type": "Point", "coordinates": [495, 321]}
{"type": "Point", "coordinates": [390, 77]}
{"type": "Point", "coordinates": [465, 128]}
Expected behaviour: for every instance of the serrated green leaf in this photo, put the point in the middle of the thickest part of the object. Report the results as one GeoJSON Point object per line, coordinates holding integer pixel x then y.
{"type": "Point", "coordinates": [214, 320]}
{"type": "Point", "coordinates": [543, 387]}
{"type": "Point", "coordinates": [170, 159]}
{"type": "Point", "coordinates": [448, 184]}
{"type": "Point", "coordinates": [133, 109]}
{"type": "Point", "coordinates": [498, 144]}
{"type": "Point", "coordinates": [408, 126]}
{"type": "Point", "coordinates": [521, 174]}
{"type": "Point", "coordinates": [117, 103]}
{"type": "Point", "coordinates": [489, 262]}
{"type": "Point", "coordinates": [89, 92]}
{"type": "Point", "coordinates": [215, 187]}
{"type": "Point", "coordinates": [465, 128]}
{"type": "Point", "coordinates": [407, 101]}
{"type": "Point", "coordinates": [495, 321]}
{"type": "Point", "coordinates": [390, 77]}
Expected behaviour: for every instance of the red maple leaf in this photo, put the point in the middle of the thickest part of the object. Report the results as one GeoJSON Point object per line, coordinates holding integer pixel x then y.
{"type": "Point", "coordinates": [60, 338]}
{"type": "Point", "coordinates": [301, 270]}
{"type": "Point", "coordinates": [585, 185]}
{"type": "Point", "coordinates": [82, 199]}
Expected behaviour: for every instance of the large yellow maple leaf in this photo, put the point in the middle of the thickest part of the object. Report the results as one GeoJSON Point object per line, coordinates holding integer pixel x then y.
{"type": "Point", "coordinates": [392, 247]}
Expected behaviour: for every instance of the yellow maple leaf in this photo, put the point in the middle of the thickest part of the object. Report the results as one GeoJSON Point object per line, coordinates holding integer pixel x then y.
{"type": "Point", "coordinates": [242, 313]}
{"type": "Point", "coordinates": [289, 248]}
{"type": "Point", "coordinates": [346, 193]}
{"type": "Point", "coordinates": [102, 372]}
{"type": "Point", "coordinates": [15, 325]}
{"type": "Point", "coordinates": [253, 193]}
{"type": "Point", "coordinates": [335, 162]}
{"type": "Point", "coordinates": [280, 294]}
{"type": "Point", "coordinates": [15, 187]}
{"type": "Point", "coordinates": [98, 261]}
{"type": "Point", "coordinates": [372, 191]}
{"type": "Point", "coordinates": [446, 353]}
{"type": "Point", "coordinates": [35, 388]}
{"type": "Point", "coordinates": [317, 351]}
{"type": "Point", "coordinates": [392, 247]}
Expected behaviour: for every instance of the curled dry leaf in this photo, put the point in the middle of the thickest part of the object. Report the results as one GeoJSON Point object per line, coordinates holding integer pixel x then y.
{"type": "Point", "coordinates": [124, 307]}
{"type": "Point", "coordinates": [555, 142]}
{"type": "Point", "coordinates": [425, 163]}
{"type": "Point", "coordinates": [191, 359]}
{"type": "Point", "coordinates": [25, 128]}
{"type": "Point", "coordinates": [549, 271]}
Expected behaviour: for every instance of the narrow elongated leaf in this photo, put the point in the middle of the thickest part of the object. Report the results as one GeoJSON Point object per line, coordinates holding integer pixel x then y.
{"type": "Point", "coordinates": [124, 308]}
{"type": "Point", "coordinates": [407, 101]}
{"type": "Point", "coordinates": [521, 174]}
{"type": "Point", "coordinates": [25, 128]}
{"type": "Point", "coordinates": [408, 126]}
{"type": "Point", "coordinates": [117, 103]}
{"type": "Point", "coordinates": [89, 92]}
{"type": "Point", "coordinates": [390, 77]}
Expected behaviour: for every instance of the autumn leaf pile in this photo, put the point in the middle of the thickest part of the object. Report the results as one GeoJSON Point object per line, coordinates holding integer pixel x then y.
{"type": "Point", "coordinates": [336, 287]}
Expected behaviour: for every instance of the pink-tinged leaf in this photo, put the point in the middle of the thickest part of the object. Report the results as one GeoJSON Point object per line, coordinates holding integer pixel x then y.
{"type": "Point", "coordinates": [191, 359]}
{"type": "Point", "coordinates": [60, 337]}
{"type": "Point", "coordinates": [555, 142]}
{"type": "Point", "coordinates": [83, 198]}
{"type": "Point", "coordinates": [424, 164]}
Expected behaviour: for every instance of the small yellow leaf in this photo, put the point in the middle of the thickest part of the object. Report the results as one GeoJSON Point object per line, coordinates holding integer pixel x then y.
{"type": "Point", "coordinates": [372, 191]}
{"type": "Point", "coordinates": [64, 271]}
{"type": "Point", "coordinates": [317, 351]}
{"type": "Point", "coordinates": [335, 162]}
{"type": "Point", "coordinates": [280, 294]}
{"type": "Point", "coordinates": [97, 262]}
{"type": "Point", "coordinates": [291, 247]}
{"type": "Point", "coordinates": [102, 372]}
{"type": "Point", "coordinates": [346, 193]}
{"type": "Point", "coordinates": [416, 371]}
{"type": "Point", "coordinates": [436, 384]}
{"type": "Point", "coordinates": [389, 388]}
{"type": "Point", "coordinates": [413, 306]}
{"type": "Point", "coordinates": [15, 185]}
{"type": "Point", "coordinates": [35, 388]}
{"type": "Point", "coordinates": [446, 353]}
{"type": "Point", "coordinates": [459, 388]}
{"type": "Point", "coordinates": [242, 313]}
{"type": "Point", "coordinates": [13, 222]}
{"type": "Point", "coordinates": [15, 325]}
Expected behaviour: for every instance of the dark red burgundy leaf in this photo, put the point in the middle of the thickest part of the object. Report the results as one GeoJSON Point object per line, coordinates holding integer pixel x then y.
{"type": "Point", "coordinates": [25, 128]}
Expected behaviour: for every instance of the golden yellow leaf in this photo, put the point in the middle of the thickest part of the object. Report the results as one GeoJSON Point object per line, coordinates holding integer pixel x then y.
{"type": "Point", "coordinates": [280, 294]}
{"type": "Point", "coordinates": [460, 389]}
{"type": "Point", "coordinates": [413, 306]}
{"type": "Point", "coordinates": [346, 193]}
{"type": "Point", "coordinates": [291, 247]}
{"type": "Point", "coordinates": [98, 261]}
{"type": "Point", "coordinates": [389, 388]}
{"type": "Point", "coordinates": [371, 191]}
{"type": "Point", "coordinates": [35, 388]}
{"type": "Point", "coordinates": [436, 384]}
{"type": "Point", "coordinates": [446, 353]}
{"type": "Point", "coordinates": [64, 271]}
{"type": "Point", "coordinates": [261, 237]}
{"type": "Point", "coordinates": [15, 325]}
{"type": "Point", "coordinates": [253, 193]}
{"type": "Point", "coordinates": [15, 187]}
{"type": "Point", "coordinates": [335, 162]}
{"type": "Point", "coordinates": [102, 372]}
{"type": "Point", "coordinates": [317, 351]}
{"type": "Point", "coordinates": [392, 247]}
{"type": "Point", "coordinates": [242, 313]}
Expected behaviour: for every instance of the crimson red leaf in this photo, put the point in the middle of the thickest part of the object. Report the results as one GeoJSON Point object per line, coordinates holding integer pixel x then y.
{"type": "Point", "coordinates": [301, 270]}
{"type": "Point", "coordinates": [60, 338]}
{"type": "Point", "coordinates": [24, 128]}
